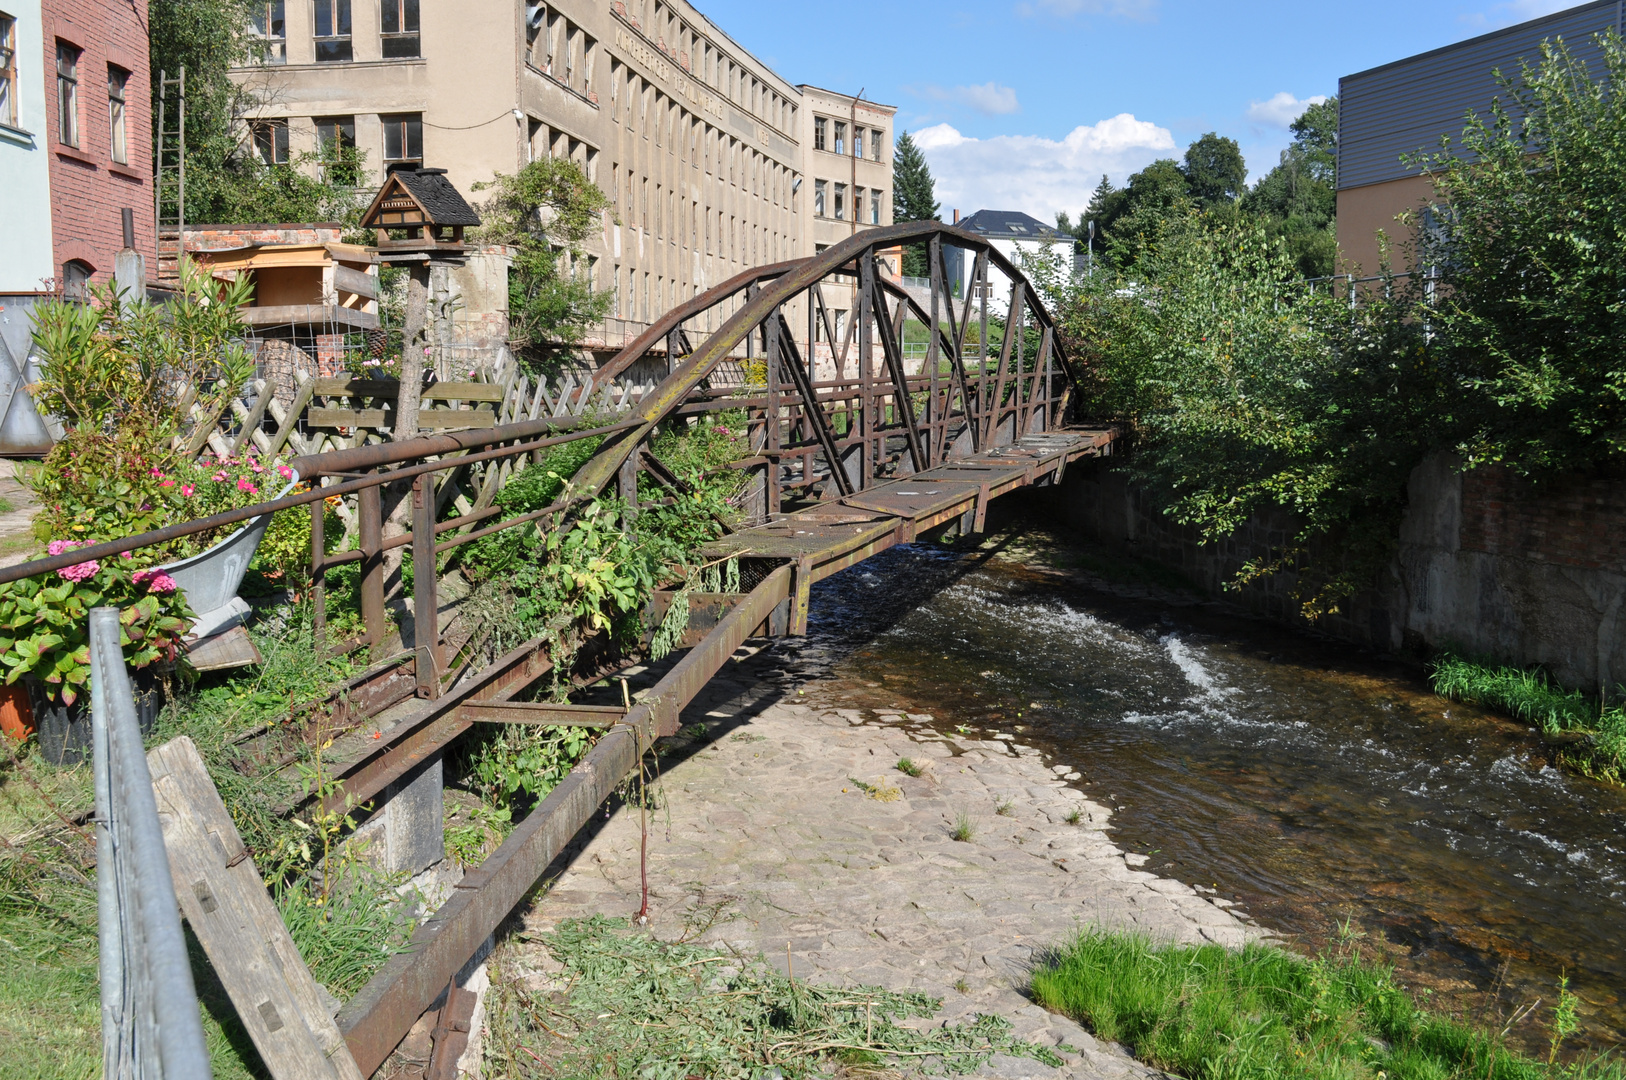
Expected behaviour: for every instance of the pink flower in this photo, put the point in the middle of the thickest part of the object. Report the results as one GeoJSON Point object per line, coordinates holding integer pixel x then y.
{"type": "Point", "coordinates": [155, 471]}
{"type": "Point", "coordinates": [81, 571]}
{"type": "Point", "coordinates": [156, 581]}
{"type": "Point", "coordinates": [57, 547]}
{"type": "Point", "coordinates": [258, 467]}
{"type": "Point", "coordinates": [126, 555]}
{"type": "Point", "coordinates": [285, 472]}
{"type": "Point", "coordinates": [187, 490]}
{"type": "Point", "coordinates": [244, 485]}
{"type": "Point", "coordinates": [167, 483]}
{"type": "Point", "coordinates": [218, 476]}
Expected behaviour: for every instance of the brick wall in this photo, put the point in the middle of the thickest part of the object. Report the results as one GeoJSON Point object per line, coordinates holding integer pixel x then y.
{"type": "Point", "coordinates": [88, 188]}
{"type": "Point", "coordinates": [1573, 521]}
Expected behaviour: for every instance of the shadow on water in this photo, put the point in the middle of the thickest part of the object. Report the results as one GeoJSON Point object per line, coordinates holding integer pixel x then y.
{"type": "Point", "coordinates": [1311, 783]}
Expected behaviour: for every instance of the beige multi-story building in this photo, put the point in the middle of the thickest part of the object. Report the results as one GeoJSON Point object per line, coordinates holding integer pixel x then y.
{"type": "Point", "coordinates": [701, 147]}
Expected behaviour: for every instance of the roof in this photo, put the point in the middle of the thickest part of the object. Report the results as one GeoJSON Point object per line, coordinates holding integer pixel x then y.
{"type": "Point", "coordinates": [1010, 225]}
{"type": "Point", "coordinates": [1406, 105]}
{"type": "Point", "coordinates": [434, 194]}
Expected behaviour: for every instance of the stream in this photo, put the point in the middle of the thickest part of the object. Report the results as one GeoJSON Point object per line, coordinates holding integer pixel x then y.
{"type": "Point", "coordinates": [1314, 785]}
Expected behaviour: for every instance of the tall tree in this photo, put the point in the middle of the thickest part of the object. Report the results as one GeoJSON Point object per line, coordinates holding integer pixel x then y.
{"type": "Point", "coordinates": [1214, 170]}
{"type": "Point", "coordinates": [914, 198]}
{"type": "Point", "coordinates": [1297, 196]}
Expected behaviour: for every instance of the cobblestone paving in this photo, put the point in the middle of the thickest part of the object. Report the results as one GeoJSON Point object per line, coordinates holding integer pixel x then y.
{"type": "Point", "coordinates": [772, 832]}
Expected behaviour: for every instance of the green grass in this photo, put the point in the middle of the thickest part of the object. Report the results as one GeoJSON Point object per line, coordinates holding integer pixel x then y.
{"type": "Point", "coordinates": [908, 767]}
{"type": "Point", "coordinates": [1261, 1013]}
{"type": "Point", "coordinates": [1528, 695]}
{"type": "Point", "coordinates": [963, 830]}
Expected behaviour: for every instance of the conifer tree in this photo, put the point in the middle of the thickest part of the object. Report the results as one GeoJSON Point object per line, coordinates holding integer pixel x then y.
{"type": "Point", "coordinates": [913, 198]}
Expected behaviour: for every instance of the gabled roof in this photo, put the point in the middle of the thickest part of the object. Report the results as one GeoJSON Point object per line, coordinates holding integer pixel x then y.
{"type": "Point", "coordinates": [1009, 225]}
{"type": "Point", "coordinates": [433, 195]}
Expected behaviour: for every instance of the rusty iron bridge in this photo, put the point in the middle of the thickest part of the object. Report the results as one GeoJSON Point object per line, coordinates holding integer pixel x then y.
{"type": "Point", "coordinates": [901, 421]}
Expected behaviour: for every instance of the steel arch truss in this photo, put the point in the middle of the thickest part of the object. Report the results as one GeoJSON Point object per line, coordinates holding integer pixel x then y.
{"type": "Point", "coordinates": [836, 405]}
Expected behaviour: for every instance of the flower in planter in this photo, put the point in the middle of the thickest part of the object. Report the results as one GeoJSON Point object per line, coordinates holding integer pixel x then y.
{"type": "Point", "coordinates": [156, 581]}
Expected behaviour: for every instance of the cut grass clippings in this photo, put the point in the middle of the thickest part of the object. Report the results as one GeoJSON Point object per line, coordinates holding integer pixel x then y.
{"type": "Point", "coordinates": [634, 1006]}
{"type": "Point", "coordinates": [1261, 1013]}
{"type": "Point", "coordinates": [1528, 695]}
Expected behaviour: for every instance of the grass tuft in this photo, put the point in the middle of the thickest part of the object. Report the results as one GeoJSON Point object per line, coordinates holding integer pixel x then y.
{"type": "Point", "coordinates": [963, 830]}
{"type": "Point", "coordinates": [1005, 808]}
{"type": "Point", "coordinates": [908, 767]}
{"type": "Point", "coordinates": [1261, 1013]}
{"type": "Point", "coordinates": [1529, 695]}
{"type": "Point", "coordinates": [1074, 816]}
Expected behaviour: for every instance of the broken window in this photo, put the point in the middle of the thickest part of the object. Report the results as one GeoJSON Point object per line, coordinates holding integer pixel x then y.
{"type": "Point", "coordinates": [400, 27]}
{"type": "Point", "coordinates": [818, 198]}
{"type": "Point", "coordinates": [334, 136]}
{"type": "Point", "coordinates": [841, 138]}
{"type": "Point", "coordinates": [403, 139]}
{"type": "Point", "coordinates": [333, 31]}
{"type": "Point", "coordinates": [271, 141]}
{"type": "Point", "coordinates": [858, 142]}
{"type": "Point", "coordinates": [67, 94]}
{"type": "Point", "coordinates": [269, 32]}
{"type": "Point", "coordinates": [8, 70]}
{"type": "Point", "coordinates": [875, 139]}
{"type": "Point", "coordinates": [818, 132]}
{"type": "Point", "coordinates": [118, 144]}
{"type": "Point", "coordinates": [76, 275]}
{"type": "Point", "coordinates": [841, 202]}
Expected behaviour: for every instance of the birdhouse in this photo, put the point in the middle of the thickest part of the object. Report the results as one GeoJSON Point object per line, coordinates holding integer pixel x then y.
{"type": "Point", "coordinates": [423, 204]}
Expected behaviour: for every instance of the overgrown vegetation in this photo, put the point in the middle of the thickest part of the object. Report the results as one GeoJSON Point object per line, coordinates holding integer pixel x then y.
{"type": "Point", "coordinates": [1261, 1013]}
{"type": "Point", "coordinates": [633, 1006]}
{"type": "Point", "coordinates": [1599, 747]}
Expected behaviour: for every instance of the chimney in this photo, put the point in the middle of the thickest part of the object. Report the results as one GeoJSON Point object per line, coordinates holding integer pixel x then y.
{"type": "Point", "coordinates": [956, 217]}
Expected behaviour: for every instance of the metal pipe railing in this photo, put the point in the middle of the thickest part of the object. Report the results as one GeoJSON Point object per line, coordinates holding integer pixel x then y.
{"type": "Point", "coordinates": [151, 1026]}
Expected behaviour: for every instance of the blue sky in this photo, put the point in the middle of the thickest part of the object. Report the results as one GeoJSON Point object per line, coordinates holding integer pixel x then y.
{"type": "Point", "coordinates": [1024, 104]}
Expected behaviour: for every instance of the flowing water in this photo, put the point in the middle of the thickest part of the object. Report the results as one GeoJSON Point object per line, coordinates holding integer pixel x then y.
{"type": "Point", "coordinates": [1314, 785]}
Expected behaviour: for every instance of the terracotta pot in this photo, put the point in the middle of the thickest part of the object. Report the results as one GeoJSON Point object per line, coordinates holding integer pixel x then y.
{"type": "Point", "coordinates": [16, 714]}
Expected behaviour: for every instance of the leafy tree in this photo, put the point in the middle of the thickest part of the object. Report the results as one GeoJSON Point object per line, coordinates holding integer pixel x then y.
{"type": "Point", "coordinates": [1529, 241]}
{"type": "Point", "coordinates": [914, 198]}
{"type": "Point", "coordinates": [1214, 170]}
{"type": "Point", "coordinates": [1298, 197]}
{"type": "Point", "coordinates": [546, 211]}
{"type": "Point", "coordinates": [225, 180]}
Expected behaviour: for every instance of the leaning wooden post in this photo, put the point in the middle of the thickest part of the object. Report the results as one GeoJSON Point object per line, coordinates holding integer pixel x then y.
{"type": "Point", "coordinates": [370, 507]}
{"type": "Point", "coordinates": [425, 588]}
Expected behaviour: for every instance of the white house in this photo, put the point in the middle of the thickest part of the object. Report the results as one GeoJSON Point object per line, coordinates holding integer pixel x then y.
{"type": "Point", "coordinates": [25, 209]}
{"type": "Point", "coordinates": [1014, 235]}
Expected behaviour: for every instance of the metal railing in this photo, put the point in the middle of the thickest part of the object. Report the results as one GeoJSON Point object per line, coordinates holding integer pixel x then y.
{"type": "Point", "coordinates": [151, 1026]}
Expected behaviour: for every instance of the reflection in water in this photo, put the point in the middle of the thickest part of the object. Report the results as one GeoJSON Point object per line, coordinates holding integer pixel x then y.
{"type": "Point", "coordinates": [1311, 784]}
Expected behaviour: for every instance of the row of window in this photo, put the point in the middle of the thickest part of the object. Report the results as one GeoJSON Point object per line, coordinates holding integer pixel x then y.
{"type": "Point", "coordinates": [837, 207]}
{"type": "Point", "coordinates": [403, 137]}
{"type": "Point", "coordinates": [334, 30]}
{"type": "Point", "coordinates": [661, 24]}
{"type": "Point", "coordinates": [559, 48]}
{"type": "Point", "coordinates": [838, 145]}
{"type": "Point", "coordinates": [69, 128]}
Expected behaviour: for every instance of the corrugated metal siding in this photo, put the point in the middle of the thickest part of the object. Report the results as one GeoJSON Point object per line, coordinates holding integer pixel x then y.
{"type": "Point", "coordinates": [1406, 106]}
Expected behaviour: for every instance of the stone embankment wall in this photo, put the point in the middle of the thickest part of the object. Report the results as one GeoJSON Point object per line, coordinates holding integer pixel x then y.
{"type": "Point", "coordinates": [1487, 564]}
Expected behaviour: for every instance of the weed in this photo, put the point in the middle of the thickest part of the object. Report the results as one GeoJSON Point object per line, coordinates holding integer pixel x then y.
{"type": "Point", "coordinates": [1563, 1018]}
{"type": "Point", "coordinates": [637, 1006]}
{"type": "Point", "coordinates": [1074, 816]}
{"type": "Point", "coordinates": [879, 791]}
{"type": "Point", "coordinates": [346, 927]}
{"type": "Point", "coordinates": [961, 986]}
{"type": "Point", "coordinates": [908, 767]}
{"type": "Point", "coordinates": [964, 830]}
{"type": "Point", "coordinates": [1005, 808]}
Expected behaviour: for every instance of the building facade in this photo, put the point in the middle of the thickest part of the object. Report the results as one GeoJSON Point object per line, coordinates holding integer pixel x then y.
{"type": "Point", "coordinates": [97, 127]}
{"type": "Point", "coordinates": [1014, 235]}
{"type": "Point", "coordinates": [1388, 113]}
{"type": "Point", "coordinates": [26, 261]}
{"type": "Point", "coordinates": [694, 140]}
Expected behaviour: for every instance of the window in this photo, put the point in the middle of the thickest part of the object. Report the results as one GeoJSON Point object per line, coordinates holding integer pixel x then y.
{"type": "Point", "coordinates": [818, 198]}
{"type": "Point", "coordinates": [874, 206]}
{"type": "Point", "coordinates": [332, 31]}
{"type": "Point", "coordinates": [858, 204]}
{"type": "Point", "coordinates": [875, 138]}
{"type": "Point", "coordinates": [841, 138]}
{"type": "Point", "coordinates": [818, 132]}
{"type": "Point", "coordinates": [270, 32]}
{"type": "Point", "coordinates": [403, 139]}
{"type": "Point", "coordinates": [67, 94]}
{"type": "Point", "coordinates": [8, 71]}
{"type": "Point", "coordinates": [335, 138]}
{"type": "Point", "coordinates": [76, 275]}
{"type": "Point", "coordinates": [271, 141]}
{"type": "Point", "coordinates": [400, 26]}
{"type": "Point", "coordinates": [117, 80]}
{"type": "Point", "coordinates": [841, 202]}
{"type": "Point", "coordinates": [858, 142]}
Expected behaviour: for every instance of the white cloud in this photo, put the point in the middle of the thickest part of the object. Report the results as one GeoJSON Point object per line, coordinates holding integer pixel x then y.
{"type": "Point", "coordinates": [1282, 109]}
{"type": "Point", "coordinates": [1140, 10]}
{"type": "Point", "coordinates": [990, 98]}
{"type": "Point", "coordinates": [1035, 174]}
{"type": "Point", "coordinates": [1514, 11]}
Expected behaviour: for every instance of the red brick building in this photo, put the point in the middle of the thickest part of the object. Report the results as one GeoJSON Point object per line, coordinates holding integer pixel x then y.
{"type": "Point", "coordinates": [99, 132]}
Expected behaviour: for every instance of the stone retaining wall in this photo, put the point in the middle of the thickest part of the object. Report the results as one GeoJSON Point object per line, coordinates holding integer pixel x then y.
{"type": "Point", "coordinates": [1488, 564]}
